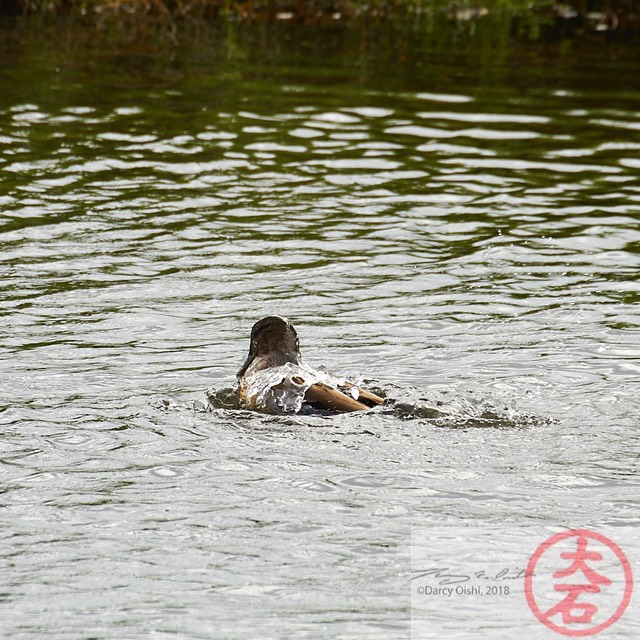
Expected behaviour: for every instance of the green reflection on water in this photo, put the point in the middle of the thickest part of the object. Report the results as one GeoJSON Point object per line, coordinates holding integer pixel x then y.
{"type": "Point", "coordinates": [96, 119]}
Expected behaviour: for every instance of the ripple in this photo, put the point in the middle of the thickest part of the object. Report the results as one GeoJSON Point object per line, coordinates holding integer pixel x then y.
{"type": "Point", "coordinates": [166, 472]}
{"type": "Point", "coordinates": [375, 482]}
{"type": "Point", "coordinates": [523, 165]}
{"type": "Point", "coordinates": [616, 123]}
{"type": "Point", "coordinates": [335, 118]}
{"type": "Point", "coordinates": [478, 260]}
{"type": "Point", "coordinates": [73, 439]}
{"type": "Point", "coordinates": [475, 133]}
{"type": "Point", "coordinates": [505, 118]}
{"type": "Point", "coordinates": [305, 132]}
{"type": "Point", "coordinates": [444, 97]}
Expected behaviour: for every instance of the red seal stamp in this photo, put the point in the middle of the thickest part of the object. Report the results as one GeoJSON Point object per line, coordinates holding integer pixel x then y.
{"type": "Point", "coordinates": [578, 582]}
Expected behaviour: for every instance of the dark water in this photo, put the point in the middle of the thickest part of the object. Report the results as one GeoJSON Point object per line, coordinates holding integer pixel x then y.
{"type": "Point", "coordinates": [454, 218]}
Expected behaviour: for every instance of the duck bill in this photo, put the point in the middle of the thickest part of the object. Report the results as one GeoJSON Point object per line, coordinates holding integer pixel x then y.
{"type": "Point", "coordinates": [243, 369]}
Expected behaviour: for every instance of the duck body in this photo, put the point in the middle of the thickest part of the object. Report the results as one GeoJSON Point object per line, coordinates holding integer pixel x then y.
{"type": "Point", "coordinates": [275, 379]}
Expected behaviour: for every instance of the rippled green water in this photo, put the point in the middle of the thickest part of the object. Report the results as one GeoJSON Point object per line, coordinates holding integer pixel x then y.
{"type": "Point", "coordinates": [454, 219]}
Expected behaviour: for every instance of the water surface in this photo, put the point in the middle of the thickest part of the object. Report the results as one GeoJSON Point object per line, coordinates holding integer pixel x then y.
{"type": "Point", "coordinates": [453, 219]}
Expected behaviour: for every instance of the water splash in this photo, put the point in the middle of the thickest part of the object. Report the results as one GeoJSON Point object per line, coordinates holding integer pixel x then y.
{"type": "Point", "coordinates": [453, 408]}
{"type": "Point", "coordinates": [279, 390]}
{"type": "Point", "coordinates": [442, 407]}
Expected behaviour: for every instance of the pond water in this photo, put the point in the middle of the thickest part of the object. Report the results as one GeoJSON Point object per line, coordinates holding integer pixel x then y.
{"type": "Point", "coordinates": [451, 218]}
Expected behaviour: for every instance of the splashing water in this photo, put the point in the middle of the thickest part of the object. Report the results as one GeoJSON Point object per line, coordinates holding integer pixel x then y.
{"type": "Point", "coordinates": [282, 389]}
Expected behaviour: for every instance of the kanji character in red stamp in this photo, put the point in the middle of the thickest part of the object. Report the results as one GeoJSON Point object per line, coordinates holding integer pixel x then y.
{"type": "Point", "coordinates": [578, 582]}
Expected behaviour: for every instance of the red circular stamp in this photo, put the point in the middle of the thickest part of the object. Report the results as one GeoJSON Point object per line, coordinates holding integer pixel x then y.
{"type": "Point", "coordinates": [578, 582]}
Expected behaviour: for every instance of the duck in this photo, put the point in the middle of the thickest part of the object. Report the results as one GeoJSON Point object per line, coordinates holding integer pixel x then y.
{"type": "Point", "coordinates": [275, 379]}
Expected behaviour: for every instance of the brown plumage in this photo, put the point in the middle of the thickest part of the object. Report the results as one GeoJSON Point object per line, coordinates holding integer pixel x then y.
{"type": "Point", "coordinates": [274, 344]}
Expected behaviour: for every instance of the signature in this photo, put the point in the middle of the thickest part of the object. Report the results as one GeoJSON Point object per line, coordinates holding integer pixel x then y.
{"type": "Point", "coordinates": [445, 575]}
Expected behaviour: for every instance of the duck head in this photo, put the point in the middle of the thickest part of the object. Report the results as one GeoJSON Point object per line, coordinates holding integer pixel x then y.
{"type": "Point", "coordinates": [274, 342]}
